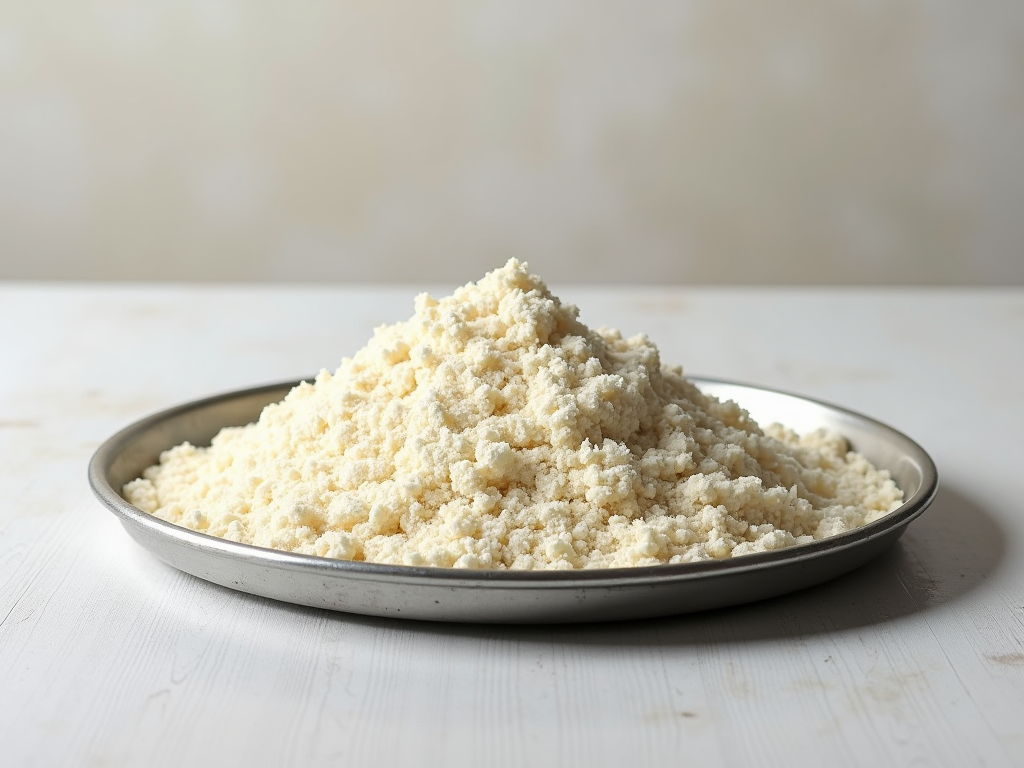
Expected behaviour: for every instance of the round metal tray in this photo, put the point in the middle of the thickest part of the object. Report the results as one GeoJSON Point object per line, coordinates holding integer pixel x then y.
{"type": "Point", "coordinates": [442, 594]}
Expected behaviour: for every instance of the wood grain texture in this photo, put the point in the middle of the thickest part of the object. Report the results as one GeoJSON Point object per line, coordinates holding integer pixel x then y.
{"type": "Point", "coordinates": [110, 658]}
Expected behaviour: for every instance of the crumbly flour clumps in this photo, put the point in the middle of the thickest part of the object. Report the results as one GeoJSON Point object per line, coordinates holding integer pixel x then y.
{"type": "Point", "coordinates": [495, 430]}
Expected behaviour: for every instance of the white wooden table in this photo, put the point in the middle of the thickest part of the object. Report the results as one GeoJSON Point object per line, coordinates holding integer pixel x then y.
{"type": "Point", "coordinates": [110, 658]}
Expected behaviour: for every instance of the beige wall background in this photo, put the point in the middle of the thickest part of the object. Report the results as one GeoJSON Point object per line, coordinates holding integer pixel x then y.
{"type": "Point", "coordinates": [700, 141]}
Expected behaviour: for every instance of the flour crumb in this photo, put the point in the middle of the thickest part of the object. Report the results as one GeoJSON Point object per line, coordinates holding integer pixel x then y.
{"type": "Point", "coordinates": [494, 430]}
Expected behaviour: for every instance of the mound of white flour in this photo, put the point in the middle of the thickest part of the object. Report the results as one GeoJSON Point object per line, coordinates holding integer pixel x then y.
{"type": "Point", "coordinates": [494, 430]}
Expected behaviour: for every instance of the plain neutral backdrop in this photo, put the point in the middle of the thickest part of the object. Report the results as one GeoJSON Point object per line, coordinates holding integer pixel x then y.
{"type": "Point", "coordinates": [661, 141]}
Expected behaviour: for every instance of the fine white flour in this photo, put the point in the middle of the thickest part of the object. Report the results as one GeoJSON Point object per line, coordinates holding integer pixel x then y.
{"type": "Point", "coordinates": [494, 430]}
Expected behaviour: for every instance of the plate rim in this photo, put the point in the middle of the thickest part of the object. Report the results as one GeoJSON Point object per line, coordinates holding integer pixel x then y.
{"type": "Point", "coordinates": [129, 515]}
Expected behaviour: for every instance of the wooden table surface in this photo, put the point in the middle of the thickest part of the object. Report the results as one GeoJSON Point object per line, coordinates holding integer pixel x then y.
{"type": "Point", "coordinates": [110, 658]}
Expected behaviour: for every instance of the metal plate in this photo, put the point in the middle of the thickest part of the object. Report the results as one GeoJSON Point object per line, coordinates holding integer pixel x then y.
{"type": "Point", "coordinates": [442, 594]}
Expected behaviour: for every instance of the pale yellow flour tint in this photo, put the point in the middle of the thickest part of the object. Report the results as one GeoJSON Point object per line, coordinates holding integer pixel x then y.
{"type": "Point", "coordinates": [494, 430]}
